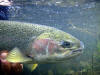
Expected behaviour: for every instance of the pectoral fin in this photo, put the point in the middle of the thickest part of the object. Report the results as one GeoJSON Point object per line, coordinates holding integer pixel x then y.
{"type": "Point", "coordinates": [32, 67]}
{"type": "Point", "coordinates": [16, 56]}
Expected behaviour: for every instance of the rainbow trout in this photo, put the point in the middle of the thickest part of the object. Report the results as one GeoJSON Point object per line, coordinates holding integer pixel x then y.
{"type": "Point", "coordinates": [33, 43]}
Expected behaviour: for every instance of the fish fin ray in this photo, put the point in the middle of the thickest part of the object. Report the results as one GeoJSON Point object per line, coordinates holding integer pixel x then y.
{"type": "Point", "coordinates": [32, 67]}
{"type": "Point", "coordinates": [15, 55]}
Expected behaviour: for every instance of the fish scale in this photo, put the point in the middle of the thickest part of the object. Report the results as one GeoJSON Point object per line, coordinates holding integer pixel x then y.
{"type": "Point", "coordinates": [19, 34]}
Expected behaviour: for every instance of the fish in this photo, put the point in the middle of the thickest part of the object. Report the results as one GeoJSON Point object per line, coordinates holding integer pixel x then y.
{"type": "Point", "coordinates": [34, 44]}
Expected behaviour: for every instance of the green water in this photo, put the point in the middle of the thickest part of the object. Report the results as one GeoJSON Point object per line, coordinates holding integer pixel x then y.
{"type": "Point", "coordinates": [77, 17]}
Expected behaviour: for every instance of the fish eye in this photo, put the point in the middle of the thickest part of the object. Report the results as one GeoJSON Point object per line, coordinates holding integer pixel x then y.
{"type": "Point", "coordinates": [65, 44]}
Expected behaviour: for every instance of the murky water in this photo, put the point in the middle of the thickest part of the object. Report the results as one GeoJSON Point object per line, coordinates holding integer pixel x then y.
{"type": "Point", "coordinates": [79, 18]}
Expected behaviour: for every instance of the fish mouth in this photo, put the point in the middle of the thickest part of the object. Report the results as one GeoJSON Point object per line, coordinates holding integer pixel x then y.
{"type": "Point", "coordinates": [80, 49]}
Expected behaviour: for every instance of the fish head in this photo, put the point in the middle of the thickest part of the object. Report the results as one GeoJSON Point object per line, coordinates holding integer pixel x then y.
{"type": "Point", "coordinates": [52, 47]}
